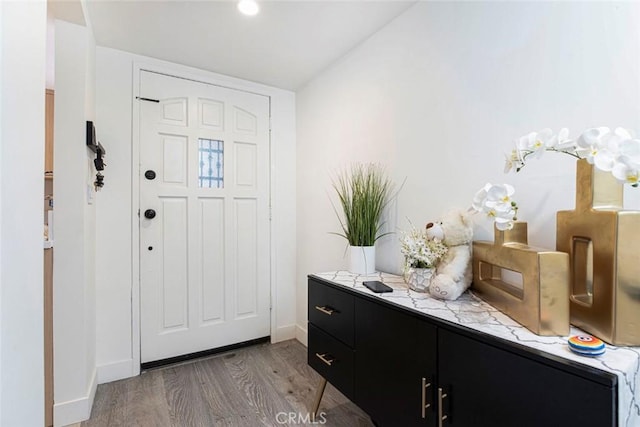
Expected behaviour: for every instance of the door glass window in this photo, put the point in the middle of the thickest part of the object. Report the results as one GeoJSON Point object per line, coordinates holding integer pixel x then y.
{"type": "Point", "coordinates": [211, 163]}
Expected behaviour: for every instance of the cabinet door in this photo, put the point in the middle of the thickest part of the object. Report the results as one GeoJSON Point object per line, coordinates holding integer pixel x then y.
{"type": "Point", "coordinates": [488, 386]}
{"type": "Point", "coordinates": [395, 352]}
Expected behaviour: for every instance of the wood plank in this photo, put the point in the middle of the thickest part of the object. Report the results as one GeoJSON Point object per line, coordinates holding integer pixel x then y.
{"type": "Point", "coordinates": [286, 380]}
{"type": "Point", "coordinates": [147, 404]}
{"type": "Point", "coordinates": [109, 405]}
{"type": "Point", "coordinates": [187, 407]}
{"type": "Point", "coordinates": [221, 392]}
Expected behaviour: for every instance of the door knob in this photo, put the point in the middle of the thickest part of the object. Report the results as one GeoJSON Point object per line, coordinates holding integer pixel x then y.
{"type": "Point", "coordinates": [149, 214]}
{"type": "Point", "coordinates": [150, 174]}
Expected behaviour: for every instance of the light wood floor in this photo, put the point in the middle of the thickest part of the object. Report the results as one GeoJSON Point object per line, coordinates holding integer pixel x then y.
{"type": "Point", "coordinates": [253, 386]}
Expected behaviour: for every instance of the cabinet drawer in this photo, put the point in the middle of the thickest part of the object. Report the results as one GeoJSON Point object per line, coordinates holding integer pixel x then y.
{"type": "Point", "coordinates": [332, 310]}
{"type": "Point", "coordinates": [331, 359]}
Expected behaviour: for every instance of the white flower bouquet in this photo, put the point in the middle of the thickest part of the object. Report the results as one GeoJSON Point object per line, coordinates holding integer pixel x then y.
{"type": "Point", "coordinates": [419, 250]}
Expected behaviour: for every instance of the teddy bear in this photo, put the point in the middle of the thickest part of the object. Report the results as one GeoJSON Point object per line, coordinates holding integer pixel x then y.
{"type": "Point", "coordinates": [453, 273]}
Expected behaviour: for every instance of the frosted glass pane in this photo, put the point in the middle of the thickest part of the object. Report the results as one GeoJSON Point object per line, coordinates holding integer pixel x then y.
{"type": "Point", "coordinates": [210, 163]}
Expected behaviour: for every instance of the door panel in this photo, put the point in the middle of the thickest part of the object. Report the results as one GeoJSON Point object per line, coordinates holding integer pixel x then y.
{"type": "Point", "coordinates": [212, 258]}
{"type": "Point", "coordinates": [247, 275]}
{"type": "Point", "coordinates": [204, 257]}
{"type": "Point", "coordinates": [174, 262]}
{"type": "Point", "coordinates": [174, 159]}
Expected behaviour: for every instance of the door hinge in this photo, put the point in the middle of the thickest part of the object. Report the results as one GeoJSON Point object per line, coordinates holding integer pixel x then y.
{"type": "Point", "coordinates": [270, 213]}
{"type": "Point", "coordinates": [147, 99]}
{"type": "Point", "coordinates": [138, 213]}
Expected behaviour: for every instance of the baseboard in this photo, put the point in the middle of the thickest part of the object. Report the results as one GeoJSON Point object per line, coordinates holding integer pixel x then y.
{"type": "Point", "coordinates": [115, 371]}
{"type": "Point", "coordinates": [284, 333]}
{"type": "Point", "coordinates": [77, 410]}
{"type": "Point", "coordinates": [301, 335]}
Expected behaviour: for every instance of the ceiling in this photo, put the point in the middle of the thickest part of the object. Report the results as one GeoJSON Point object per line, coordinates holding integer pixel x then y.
{"type": "Point", "coordinates": [285, 45]}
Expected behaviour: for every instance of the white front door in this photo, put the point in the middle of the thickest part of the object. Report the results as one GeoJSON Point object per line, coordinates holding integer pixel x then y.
{"type": "Point", "coordinates": [205, 254]}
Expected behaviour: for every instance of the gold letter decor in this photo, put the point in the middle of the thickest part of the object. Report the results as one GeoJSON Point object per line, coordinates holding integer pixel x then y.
{"type": "Point", "coordinates": [603, 242]}
{"type": "Point", "coordinates": [541, 304]}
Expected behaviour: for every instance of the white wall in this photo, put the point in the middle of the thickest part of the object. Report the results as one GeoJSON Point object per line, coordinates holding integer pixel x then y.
{"type": "Point", "coordinates": [439, 95]}
{"type": "Point", "coordinates": [74, 226]}
{"type": "Point", "coordinates": [22, 81]}
{"type": "Point", "coordinates": [117, 282]}
{"type": "Point", "coordinates": [1, 180]}
{"type": "Point", "coordinates": [50, 81]}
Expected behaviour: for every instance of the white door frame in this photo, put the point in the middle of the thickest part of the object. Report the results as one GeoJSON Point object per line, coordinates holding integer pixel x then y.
{"type": "Point", "coordinates": [201, 77]}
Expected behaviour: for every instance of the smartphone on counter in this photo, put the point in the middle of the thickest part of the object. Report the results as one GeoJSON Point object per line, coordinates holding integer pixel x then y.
{"type": "Point", "coordinates": [377, 286]}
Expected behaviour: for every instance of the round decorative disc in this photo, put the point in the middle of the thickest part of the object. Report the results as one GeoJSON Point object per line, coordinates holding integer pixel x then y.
{"type": "Point", "coordinates": [586, 345]}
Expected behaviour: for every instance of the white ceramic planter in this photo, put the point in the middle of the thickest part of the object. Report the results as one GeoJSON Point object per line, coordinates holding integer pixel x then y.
{"type": "Point", "coordinates": [362, 259]}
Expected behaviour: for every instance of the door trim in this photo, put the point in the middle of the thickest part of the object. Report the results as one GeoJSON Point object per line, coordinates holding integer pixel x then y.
{"type": "Point", "coordinates": [207, 78]}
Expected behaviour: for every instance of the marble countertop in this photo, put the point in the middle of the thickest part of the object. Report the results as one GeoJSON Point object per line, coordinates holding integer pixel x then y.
{"type": "Point", "coordinates": [472, 312]}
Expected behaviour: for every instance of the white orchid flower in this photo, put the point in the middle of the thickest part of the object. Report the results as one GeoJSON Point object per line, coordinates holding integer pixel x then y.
{"type": "Point", "coordinates": [499, 198]}
{"type": "Point", "coordinates": [612, 140]}
{"type": "Point", "coordinates": [495, 202]}
{"type": "Point", "coordinates": [598, 146]}
{"type": "Point", "coordinates": [493, 198]}
{"type": "Point", "coordinates": [503, 221]}
{"type": "Point", "coordinates": [592, 136]}
{"type": "Point", "coordinates": [629, 152]}
{"type": "Point", "coordinates": [503, 224]}
{"type": "Point", "coordinates": [561, 142]}
{"type": "Point", "coordinates": [627, 173]}
{"type": "Point", "coordinates": [605, 155]}
{"type": "Point", "coordinates": [536, 142]}
{"type": "Point", "coordinates": [509, 161]}
{"type": "Point", "coordinates": [480, 198]}
{"type": "Point", "coordinates": [623, 133]}
{"type": "Point", "coordinates": [604, 159]}
{"type": "Point", "coordinates": [513, 160]}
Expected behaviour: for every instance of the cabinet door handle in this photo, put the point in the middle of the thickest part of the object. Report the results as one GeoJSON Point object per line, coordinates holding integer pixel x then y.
{"type": "Point", "coordinates": [325, 309]}
{"type": "Point", "coordinates": [441, 416]}
{"type": "Point", "coordinates": [324, 358]}
{"type": "Point", "coordinates": [425, 405]}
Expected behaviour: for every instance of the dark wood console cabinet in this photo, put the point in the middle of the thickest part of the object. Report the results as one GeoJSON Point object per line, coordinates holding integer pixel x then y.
{"type": "Point", "coordinates": [406, 368]}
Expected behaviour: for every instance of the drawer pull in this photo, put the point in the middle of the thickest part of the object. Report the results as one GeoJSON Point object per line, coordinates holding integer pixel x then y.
{"type": "Point", "coordinates": [323, 357]}
{"type": "Point", "coordinates": [425, 405]}
{"type": "Point", "coordinates": [441, 416]}
{"type": "Point", "coordinates": [325, 309]}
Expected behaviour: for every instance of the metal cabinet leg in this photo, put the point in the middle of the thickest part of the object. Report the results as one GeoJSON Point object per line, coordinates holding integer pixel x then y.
{"type": "Point", "coordinates": [319, 393]}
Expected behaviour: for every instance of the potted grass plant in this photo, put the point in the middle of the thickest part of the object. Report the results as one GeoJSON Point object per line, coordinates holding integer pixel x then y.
{"type": "Point", "coordinates": [363, 190]}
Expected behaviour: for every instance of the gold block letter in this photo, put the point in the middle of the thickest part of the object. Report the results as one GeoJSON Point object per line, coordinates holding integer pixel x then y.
{"type": "Point", "coordinates": [541, 301]}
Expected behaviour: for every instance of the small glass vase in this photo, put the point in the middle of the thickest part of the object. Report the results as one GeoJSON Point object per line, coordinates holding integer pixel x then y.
{"type": "Point", "coordinates": [419, 279]}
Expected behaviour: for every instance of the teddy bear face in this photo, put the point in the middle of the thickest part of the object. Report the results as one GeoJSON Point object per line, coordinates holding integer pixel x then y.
{"type": "Point", "coordinates": [435, 231]}
{"type": "Point", "coordinates": [454, 229]}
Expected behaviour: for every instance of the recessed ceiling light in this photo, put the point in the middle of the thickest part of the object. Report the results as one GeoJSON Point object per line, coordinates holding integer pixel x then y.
{"type": "Point", "coordinates": [248, 7]}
